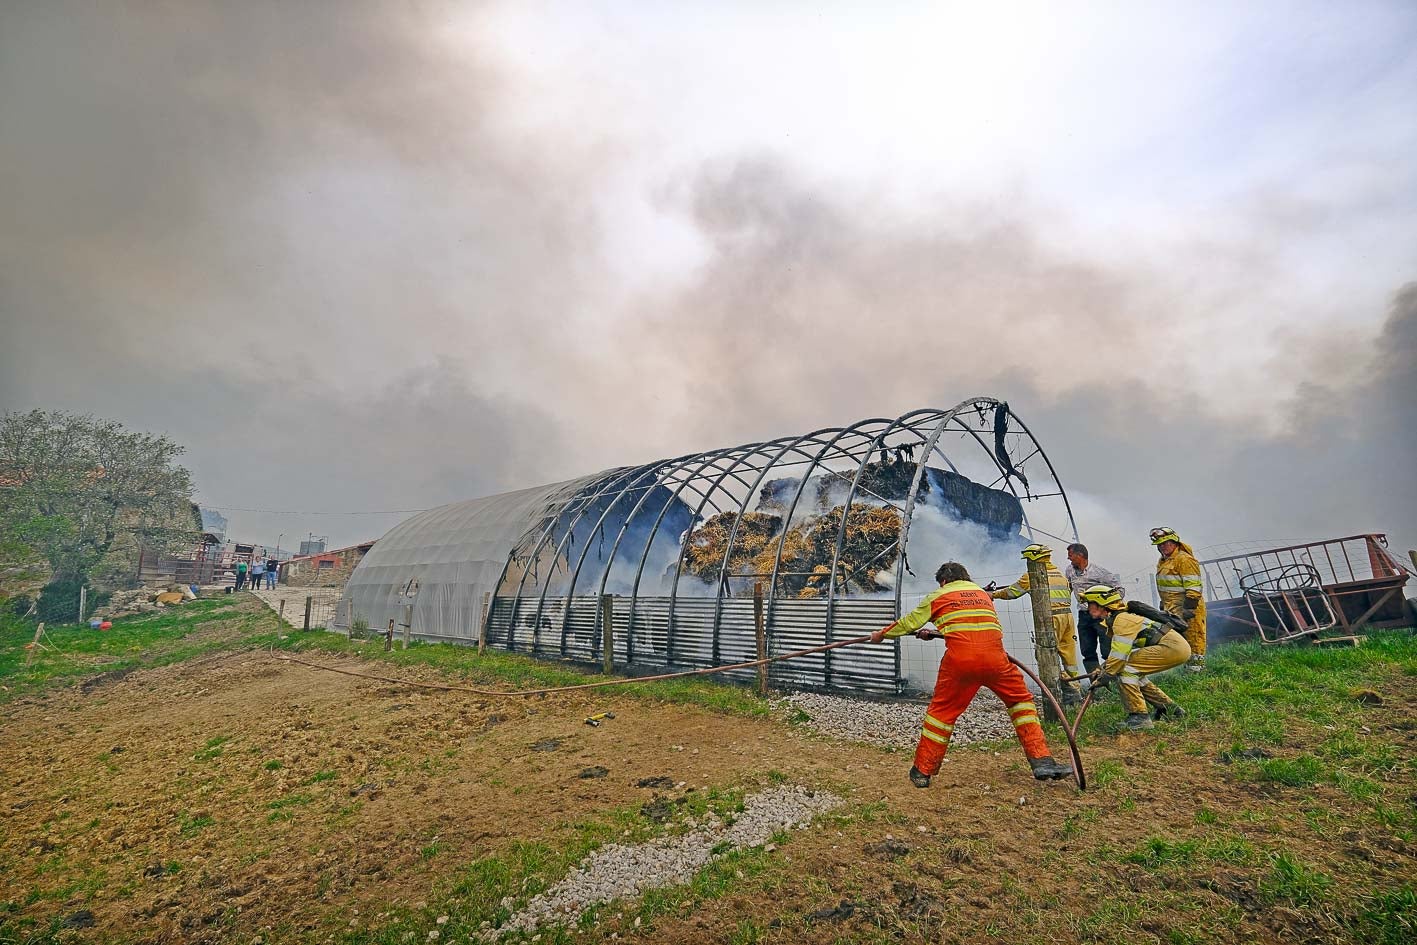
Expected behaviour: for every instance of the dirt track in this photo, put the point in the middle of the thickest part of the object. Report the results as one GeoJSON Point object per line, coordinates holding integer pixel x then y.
{"type": "Point", "coordinates": [242, 797]}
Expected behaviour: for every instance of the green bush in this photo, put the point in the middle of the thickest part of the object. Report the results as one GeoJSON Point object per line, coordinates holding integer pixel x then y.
{"type": "Point", "coordinates": [59, 601]}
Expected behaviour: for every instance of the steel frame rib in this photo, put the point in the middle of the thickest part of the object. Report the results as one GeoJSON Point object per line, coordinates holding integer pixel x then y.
{"type": "Point", "coordinates": [551, 519]}
{"type": "Point", "coordinates": [711, 458]}
{"type": "Point", "coordinates": [587, 498]}
{"type": "Point", "coordinates": [688, 536]}
{"type": "Point", "coordinates": [649, 470]}
{"type": "Point", "coordinates": [678, 464]}
{"type": "Point", "coordinates": [898, 423]}
{"type": "Point", "coordinates": [792, 446]}
{"type": "Point", "coordinates": [853, 430]}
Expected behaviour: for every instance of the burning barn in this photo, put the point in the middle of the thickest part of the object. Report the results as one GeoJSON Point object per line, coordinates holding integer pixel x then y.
{"type": "Point", "coordinates": [676, 558]}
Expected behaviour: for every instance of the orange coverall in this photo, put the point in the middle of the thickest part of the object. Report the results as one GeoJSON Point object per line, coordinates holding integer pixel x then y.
{"type": "Point", "coordinates": [974, 657]}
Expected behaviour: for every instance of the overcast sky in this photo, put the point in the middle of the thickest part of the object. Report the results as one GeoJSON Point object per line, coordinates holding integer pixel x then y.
{"type": "Point", "coordinates": [378, 256]}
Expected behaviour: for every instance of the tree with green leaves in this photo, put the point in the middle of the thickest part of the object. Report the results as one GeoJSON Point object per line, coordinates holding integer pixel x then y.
{"type": "Point", "coordinates": [82, 495]}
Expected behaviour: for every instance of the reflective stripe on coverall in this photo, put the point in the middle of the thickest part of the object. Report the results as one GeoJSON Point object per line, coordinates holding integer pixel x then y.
{"type": "Point", "coordinates": [1060, 599]}
{"type": "Point", "coordinates": [974, 657]}
{"type": "Point", "coordinates": [1132, 659]}
{"type": "Point", "coordinates": [1178, 578]}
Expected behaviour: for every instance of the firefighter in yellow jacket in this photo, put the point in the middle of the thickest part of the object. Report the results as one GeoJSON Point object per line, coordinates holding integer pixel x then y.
{"type": "Point", "coordinates": [1178, 581]}
{"type": "Point", "coordinates": [1140, 647]}
{"type": "Point", "coordinates": [1060, 600]}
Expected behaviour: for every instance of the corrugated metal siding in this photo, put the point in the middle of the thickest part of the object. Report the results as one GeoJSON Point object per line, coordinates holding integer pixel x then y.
{"type": "Point", "coordinates": [575, 633]}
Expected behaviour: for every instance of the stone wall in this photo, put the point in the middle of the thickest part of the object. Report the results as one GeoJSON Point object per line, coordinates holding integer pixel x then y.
{"type": "Point", "coordinates": [307, 572]}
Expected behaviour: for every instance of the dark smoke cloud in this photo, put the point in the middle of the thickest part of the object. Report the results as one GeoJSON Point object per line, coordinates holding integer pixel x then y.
{"type": "Point", "coordinates": [307, 241]}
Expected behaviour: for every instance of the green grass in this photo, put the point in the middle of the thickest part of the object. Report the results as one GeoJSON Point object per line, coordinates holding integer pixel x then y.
{"type": "Point", "coordinates": [1289, 881]}
{"type": "Point", "coordinates": [1271, 698]}
{"type": "Point", "coordinates": [155, 639]}
{"type": "Point", "coordinates": [212, 749]}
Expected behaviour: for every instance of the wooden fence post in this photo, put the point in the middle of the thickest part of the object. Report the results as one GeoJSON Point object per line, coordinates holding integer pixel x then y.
{"type": "Point", "coordinates": [29, 651]}
{"type": "Point", "coordinates": [407, 625]}
{"type": "Point", "coordinates": [607, 633]}
{"type": "Point", "coordinates": [389, 637]}
{"type": "Point", "coordinates": [281, 614]}
{"type": "Point", "coordinates": [309, 602]}
{"type": "Point", "coordinates": [760, 630]}
{"type": "Point", "coordinates": [482, 624]}
{"type": "Point", "coordinates": [1045, 640]}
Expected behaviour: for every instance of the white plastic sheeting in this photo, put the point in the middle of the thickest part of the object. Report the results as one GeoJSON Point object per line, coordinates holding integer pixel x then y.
{"type": "Point", "coordinates": [434, 570]}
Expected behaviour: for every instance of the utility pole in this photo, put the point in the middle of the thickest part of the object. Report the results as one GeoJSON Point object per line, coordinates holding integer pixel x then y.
{"type": "Point", "coordinates": [1045, 639]}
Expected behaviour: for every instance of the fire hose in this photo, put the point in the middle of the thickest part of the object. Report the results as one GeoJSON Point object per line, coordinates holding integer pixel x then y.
{"type": "Point", "coordinates": [1070, 730]}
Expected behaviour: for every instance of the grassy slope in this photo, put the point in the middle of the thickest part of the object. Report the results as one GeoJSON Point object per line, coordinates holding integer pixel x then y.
{"type": "Point", "coordinates": [1303, 706]}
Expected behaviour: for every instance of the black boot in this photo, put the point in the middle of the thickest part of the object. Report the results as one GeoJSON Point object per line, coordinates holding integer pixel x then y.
{"type": "Point", "coordinates": [1046, 769]}
{"type": "Point", "coordinates": [917, 778]}
{"type": "Point", "coordinates": [1071, 697]}
{"type": "Point", "coordinates": [1135, 722]}
{"type": "Point", "coordinates": [1170, 711]}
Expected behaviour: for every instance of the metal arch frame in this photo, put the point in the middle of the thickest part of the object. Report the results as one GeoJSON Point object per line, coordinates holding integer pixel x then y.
{"type": "Point", "coordinates": [578, 504]}
{"type": "Point", "coordinates": [755, 450]}
{"type": "Point", "coordinates": [551, 519]}
{"type": "Point", "coordinates": [709, 459]}
{"type": "Point", "coordinates": [679, 464]}
{"type": "Point", "coordinates": [793, 446]}
{"type": "Point", "coordinates": [1004, 474]}
{"type": "Point", "coordinates": [737, 454]}
{"type": "Point", "coordinates": [898, 423]}
{"type": "Point", "coordinates": [1005, 477]}
{"type": "Point", "coordinates": [801, 487]}
{"type": "Point", "coordinates": [650, 470]}
{"type": "Point", "coordinates": [931, 444]}
{"type": "Point", "coordinates": [611, 483]}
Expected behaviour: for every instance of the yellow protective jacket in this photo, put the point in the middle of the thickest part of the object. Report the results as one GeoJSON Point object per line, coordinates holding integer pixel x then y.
{"type": "Point", "coordinates": [1060, 592]}
{"type": "Point", "coordinates": [1178, 579]}
{"type": "Point", "coordinates": [1129, 632]}
{"type": "Point", "coordinates": [957, 607]}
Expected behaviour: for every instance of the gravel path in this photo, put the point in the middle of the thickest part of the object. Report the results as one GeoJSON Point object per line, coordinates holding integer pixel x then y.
{"type": "Point", "coordinates": [322, 608]}
{"type": "Point", "coordinates": [619, 871]}
{"type": "Point", "coordinates": [895, 724]}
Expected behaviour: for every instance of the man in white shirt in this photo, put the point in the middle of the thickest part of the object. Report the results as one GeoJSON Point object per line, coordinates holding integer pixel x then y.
{"type": "Point", "coordinates": [1092, 634]}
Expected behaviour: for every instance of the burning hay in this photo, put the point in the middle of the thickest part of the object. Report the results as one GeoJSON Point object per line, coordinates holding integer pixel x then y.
{"type": "Point", "coordinates": [873, 527]}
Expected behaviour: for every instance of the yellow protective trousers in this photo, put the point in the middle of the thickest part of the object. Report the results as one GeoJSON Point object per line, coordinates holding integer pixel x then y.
{"type": "Point", "coordinates": [1172, 650]}
{"type": "Point", "coordinates": [1195, 630]}
{"type": "Point", "coordinates": [1067, 633]}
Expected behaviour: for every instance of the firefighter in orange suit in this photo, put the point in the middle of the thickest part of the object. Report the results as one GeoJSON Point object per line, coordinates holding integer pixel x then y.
{"type": "Point", "coordinates": [974, 656]}
{"type": "Point", "coordinates": [1060, 604]}
{"type": "Point", "coordinates": [1178, 583]}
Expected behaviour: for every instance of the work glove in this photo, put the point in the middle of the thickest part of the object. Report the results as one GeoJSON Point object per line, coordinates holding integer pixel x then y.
{"type": "Point", "coordinates": [1188, 610]}
{"type": "Point", "coordinates": [878, 635]}
{"type": "Point", "coordinates": [991, 586]}
{"type": "Point", "coordinates": [928, 633]}
{"type": "Point", "coordinates": [1101, 678]}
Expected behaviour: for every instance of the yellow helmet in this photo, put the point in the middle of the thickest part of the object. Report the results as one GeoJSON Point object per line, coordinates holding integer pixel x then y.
{"type": "Point", "coordinates": [1162, 533]}
{"type": "Point", "coordinates": [1037, 552]}
{"type": "Point", "coordinates": [1104, 595]}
